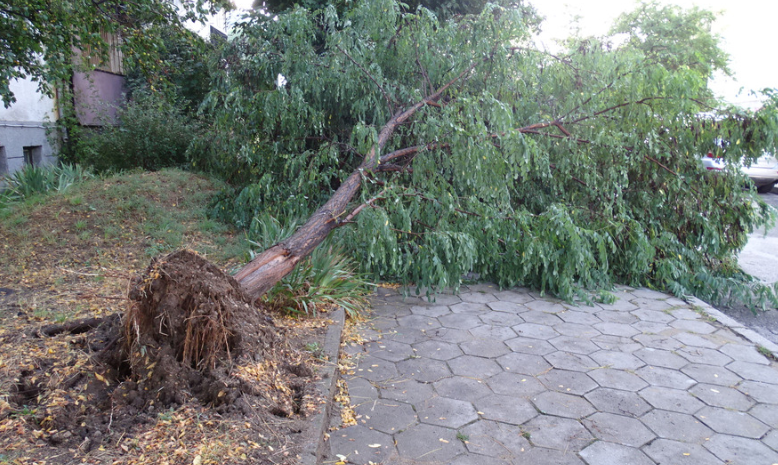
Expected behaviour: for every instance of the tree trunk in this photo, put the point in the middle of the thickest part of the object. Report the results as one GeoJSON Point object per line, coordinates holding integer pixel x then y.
{"type": "Point", "coordinates": [269, 267]}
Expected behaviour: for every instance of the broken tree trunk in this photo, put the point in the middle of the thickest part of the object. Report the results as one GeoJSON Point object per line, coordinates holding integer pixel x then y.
{"type": "Point", "coordinates": [269, 267]}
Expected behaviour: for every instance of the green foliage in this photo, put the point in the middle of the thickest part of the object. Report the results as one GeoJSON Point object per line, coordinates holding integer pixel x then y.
{"type": "Point", "coordinates": [566, 173]}
{"type": "Point", "coordinates": [33, 180]}
{"type": "Point", "coordinates": [151, 134]}
{"type": "Point", "coordinates": [674, 37]}
{"type": "Point", "coordinates": [38, 37]}
{"type": "Point", "coordinates": [326, 278]}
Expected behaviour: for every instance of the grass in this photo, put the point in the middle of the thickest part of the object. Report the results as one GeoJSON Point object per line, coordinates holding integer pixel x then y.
{"type": "Point", "coordinates": [109, 227]}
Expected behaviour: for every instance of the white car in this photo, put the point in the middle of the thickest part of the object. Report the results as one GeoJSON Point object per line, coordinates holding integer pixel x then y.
{"type": "Point", "coordinates": [763, 171]}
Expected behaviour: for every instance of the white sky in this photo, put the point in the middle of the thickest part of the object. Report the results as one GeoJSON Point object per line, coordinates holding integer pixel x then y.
{"type": "Point", "coordinates": [747, 27]}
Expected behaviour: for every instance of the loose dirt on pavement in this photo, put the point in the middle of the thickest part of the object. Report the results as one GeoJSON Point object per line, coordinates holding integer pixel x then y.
{"type": "Point", "coordinates": [77, 277]}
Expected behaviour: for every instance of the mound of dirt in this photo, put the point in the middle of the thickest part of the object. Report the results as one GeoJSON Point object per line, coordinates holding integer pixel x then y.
{"type": "Point", "coordinates": [190, 350]}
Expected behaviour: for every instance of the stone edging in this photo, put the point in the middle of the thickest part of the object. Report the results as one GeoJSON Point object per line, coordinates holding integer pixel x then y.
{"type": "Point", "coordinates": [313, 449]}
{"type": "Point", "coordinates": [734, 325]}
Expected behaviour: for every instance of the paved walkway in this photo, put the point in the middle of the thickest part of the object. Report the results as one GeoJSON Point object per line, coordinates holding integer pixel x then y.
{"type": "Point", "coordinates": [491, 378]}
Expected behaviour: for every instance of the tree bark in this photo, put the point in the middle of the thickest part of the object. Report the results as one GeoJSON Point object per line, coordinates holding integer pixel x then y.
{"type": "Point", "coordinates": [269, 267]}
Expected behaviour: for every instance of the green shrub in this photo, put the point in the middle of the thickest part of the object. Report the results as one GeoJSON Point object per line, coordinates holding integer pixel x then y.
{"type": "Point", "coordinates": [152, 134]}
{"type": "Point", "coordinates": [325, 278]}
{"type": "Point", "coordinates": [32, 180]}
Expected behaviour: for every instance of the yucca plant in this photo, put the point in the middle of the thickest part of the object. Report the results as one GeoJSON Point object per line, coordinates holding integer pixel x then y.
{"type": "Point", "coordinates": [32, 180]}
{"type": "Point", "coordinates": [326, 278]}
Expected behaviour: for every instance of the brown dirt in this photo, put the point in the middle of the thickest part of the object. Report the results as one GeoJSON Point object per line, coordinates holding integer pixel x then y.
{"type": "Point", "coordinates": [237, 388]}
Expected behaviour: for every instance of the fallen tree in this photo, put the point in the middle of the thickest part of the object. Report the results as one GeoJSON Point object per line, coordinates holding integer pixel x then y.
{"type": "Point", "coordinates": [452, 148]}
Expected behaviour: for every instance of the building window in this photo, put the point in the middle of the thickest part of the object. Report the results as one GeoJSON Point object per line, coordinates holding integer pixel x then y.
{"type": "Point", "coordinates": [32, 155]}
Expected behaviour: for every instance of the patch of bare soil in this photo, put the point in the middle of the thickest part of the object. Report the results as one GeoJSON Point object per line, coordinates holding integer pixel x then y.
{"type": "Point", "coordinates": [191, 373]}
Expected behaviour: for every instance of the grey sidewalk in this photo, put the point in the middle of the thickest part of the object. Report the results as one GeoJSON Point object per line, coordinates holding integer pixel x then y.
{"type": "Point", "coordinates": [508, 377]}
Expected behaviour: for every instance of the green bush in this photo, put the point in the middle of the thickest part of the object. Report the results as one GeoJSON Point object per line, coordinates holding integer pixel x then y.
{"type": "Point", "coordinates": [152, 134]}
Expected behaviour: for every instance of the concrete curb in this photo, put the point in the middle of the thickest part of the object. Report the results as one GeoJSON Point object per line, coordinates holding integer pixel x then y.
{"type": "Point", "coordinates": [734, 325]}
{"type": "Point", "coordinates": [313, 449]}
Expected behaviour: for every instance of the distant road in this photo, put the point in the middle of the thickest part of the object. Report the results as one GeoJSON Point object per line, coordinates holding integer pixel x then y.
{"type": "Point", "coordinates": [759, 257]}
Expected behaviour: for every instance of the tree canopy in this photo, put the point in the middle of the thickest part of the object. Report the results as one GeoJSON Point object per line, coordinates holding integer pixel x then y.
{"type": "Point", "coordinates": [38, 37]}
{"type": "Point", "coordinates": [476, 153]}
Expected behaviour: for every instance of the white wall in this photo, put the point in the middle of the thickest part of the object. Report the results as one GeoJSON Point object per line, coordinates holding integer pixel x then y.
{"type": "Point", "coordinates": [30, 105]}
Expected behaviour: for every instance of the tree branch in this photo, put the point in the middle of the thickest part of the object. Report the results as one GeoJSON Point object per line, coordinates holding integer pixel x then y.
{"type": "Point", "coordinates": [386, 96]}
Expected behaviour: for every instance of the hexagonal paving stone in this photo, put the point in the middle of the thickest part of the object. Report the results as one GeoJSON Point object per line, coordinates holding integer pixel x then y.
{"type": "Point", "coordinates": [721, 396]}
{"type": "Point", "coordinates": [652, 304]}
{"type": "Point", "coordinates": [501, 318]}
{"type": "Point", "coordinates": [494, 440]}
{"type": "Point", "coordinates": [475, 367]}
{"type": "Point", "coordinates": [737, 450]}
{"type": "Point", "coordinates": [581, 318]}
{"type": "Point", "coordinates": [767, 414]}
{"type": "Point", "coordinates": [711, 374]}
{"type": "Point", "coordinates": [406, 335]}
{"type": "Point", "coordinates": [563, 405]}
{"type": "Point", "coordinates": [429, 443]}
{"type": "Point", "coordinates": [677, 426]}
{"type": "Point", "coordinates": [541, 455]}
{"type": "Point", "coordinates": [435, 299]}
{"type": "Point", "coordinates": [617, 379]}
{"type": "Point", "coordinates": [459, 387]}
{"type": "Point", "coordinates": [409, 391]}
{"type": "Point", "coordinates": [507, 307]}
{"type": "Point", "coordinates": [375, 369]}
{"type": "Point", "coordinates": [657, 341]}
{"type": "Point", "coordinates": [576, 330]}
{"type": "Point", "coordinates": [619, 429]}
{"type": "Point", "coordinates": [489, 332]}
{"type": "Point", "coordinates": [354, 441]}
{"type": "Point", "coordinates": [658, 376]}
{"type": "Point", "coordinates": [514, 295]}
{"type": "Point", "coordinates": [535, 331]}
{"type": "Point", "coordinates": [703, 356]}
{"type": "Point", "coordinates": [442, 411]}
{"type": "Point", "coordinates": [388, 350]}
{"type": "Point", "coordinates": [423, 369]}
{"type": "Point", "coordinates": [469, 307]}
{"type": "Point", "coordinates": [360, 389]}
{"type": "Point", "coordinates": [660, 358]}
{"type": "Point", "coordinates": [557, 433]}
{"type": "Point", "coordinates": [507, 409]}
{"type": "Point", "coordinates": [680, 453]}
{"type": "Point", "coordinates": [621, 305]}
{"type": "Point", "coordinates": [697, 340]}
{"type": "Point", "coordinates": [619, 402]}
{"type": "Point", "coordinates": [514, 384]}
{"type": "Point", "coordinates": [608, 453]}
{"type": "Point", "coordinates": [523, 363]}
{"type": "Point", "coordinates": [731, 422]}
{"type": "Point", "coordinates": [463, 321]}
{"type": "Point", "coordinates": [616, 329]}
{"type": "Point", "coordinates": [541, 318]}
{"type": "Point", "coordinates": [616, 343]}
{"type": "Point", "coordinates": [418, 322]}
{"type": "Point", "coordinates": [771, 440]}
{"type": "Point", "coordinates": [694, 326]}
{"type": "Point", "coordinates": [685, 314]}
{"type": "Point", "coordinates": [754, 372]}
{"type": "Point", "coordinates": [644, 293]}
{"type": "Point", "coordinates": [432, 311]}
{"type": "Point", "coordinates": [437, 350]}
{"type": "Point", "coordinates": [615, 316]}
{"type": "Point", "coordinates": [617, 360]}
{"type": "Point", "coordinates": [671, 399]}
{"type": "Point", "coordinates": [452, 335]}
{"type": "Point", "coordinates": [546, 305]}
{"type": "Point", "coordinates": [386, 416]}
{"type": "Point", "coordinates": [744, 353]}
{"type": "Point", "coordinates": [476, 459]}
{"type": "Point", "coordinates": [653, 316]}
{"type": "Point", "coordinates": [484, 348]}
{"type": "Point", "coordinates": [576, 345]}
{"type": "Point", "coordinates": [569, 382]}
{"type": "Point", "coordinates": [760, 392]}
{"type": "Point", "coordinates": [568, 361]}
{"type": "Point", "coordinates": [477, 297]}
{"type": "Point", "coordinates": [526, 345]}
